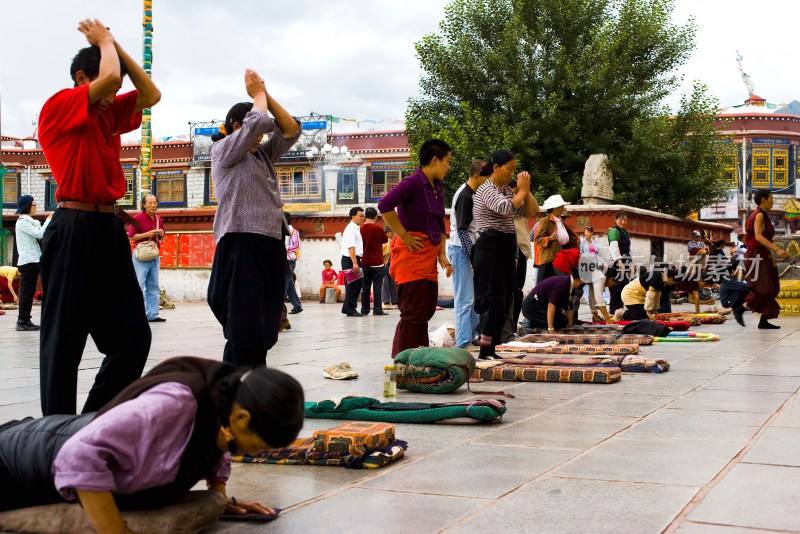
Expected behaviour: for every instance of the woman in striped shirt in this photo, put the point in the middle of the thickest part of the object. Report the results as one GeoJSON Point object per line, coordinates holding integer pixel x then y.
{"type": "Point", "coordinates": [495, 251]}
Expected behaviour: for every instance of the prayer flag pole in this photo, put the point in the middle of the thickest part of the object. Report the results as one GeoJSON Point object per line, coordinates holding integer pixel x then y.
{"type": "Point", "coordinates": [145, 160]}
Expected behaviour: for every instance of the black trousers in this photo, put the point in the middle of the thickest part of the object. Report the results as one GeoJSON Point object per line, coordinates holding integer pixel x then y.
{"type": "Point", "coordinates": [90, 289]}
{"type": "Point", "coordinates": [634, 312]}
{"type": "Point", "coordinates": [245, 292]}
{"type": "Point", "coordinates": [373, 280]}
{"type": "Point", "coordinates": [27, 288]}
{"type": "Point", "coordinates": [535, 312]}
{"type": "Point", "coordinates": [351, 289]}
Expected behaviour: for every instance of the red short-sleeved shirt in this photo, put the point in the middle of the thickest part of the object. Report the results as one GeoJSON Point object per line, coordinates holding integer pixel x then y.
{"type": "Point", "coordinates": [144, 224]}
{"type": "Point", "coordinates": [82, 144]}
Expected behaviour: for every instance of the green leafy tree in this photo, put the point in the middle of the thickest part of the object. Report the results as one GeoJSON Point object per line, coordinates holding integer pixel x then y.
{"type": "Point", "coordinates": [554, 81]}
{"type": "Point", "coordinates": [684, 167]}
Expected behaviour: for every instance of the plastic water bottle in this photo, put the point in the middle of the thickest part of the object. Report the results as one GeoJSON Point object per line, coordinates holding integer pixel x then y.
{"type": "Point", "coordinates": [389, 382]}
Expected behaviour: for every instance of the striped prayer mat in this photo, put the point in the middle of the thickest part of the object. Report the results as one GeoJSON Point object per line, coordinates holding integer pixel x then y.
{"type": "Point", "coordinates": [694, 318]}
{"type": "Point", "coordinates": [572, 349]}
{"type": "Point", "coordinates": [515, 372]}
{"type": "Point", "coordinates": [629, 363]}
{"type": "Point", "coordinates": [687, 337]}
{"type": "Point", "coordinates": [589, 339]}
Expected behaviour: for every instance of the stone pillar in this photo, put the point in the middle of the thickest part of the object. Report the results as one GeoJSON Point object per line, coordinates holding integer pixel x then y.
{"type": "Point", "coordinates": [598, 182]}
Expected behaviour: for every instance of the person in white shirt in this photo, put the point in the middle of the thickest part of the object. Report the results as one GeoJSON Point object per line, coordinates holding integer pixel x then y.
{"type": "Point", "coordinates": [352, 248]}
{"type": "Point", "coordinates": [28, 231]}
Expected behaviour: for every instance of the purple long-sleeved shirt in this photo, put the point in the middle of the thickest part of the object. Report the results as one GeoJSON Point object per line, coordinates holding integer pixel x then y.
{"type": "Point", "coordinates": [420, 206]}
{"type": "Point", "coordinates": [134, 446]}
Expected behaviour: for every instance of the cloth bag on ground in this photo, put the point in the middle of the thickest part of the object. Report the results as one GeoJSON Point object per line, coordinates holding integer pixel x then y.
{"type": "Point", "coordinates": [433, 369]}
{"type": "Point", "coordinates": [146, 250]}
{"type": "Point", "coordinates": [648, 327]}
{"type": "Point", "coordinates": [443, 336]}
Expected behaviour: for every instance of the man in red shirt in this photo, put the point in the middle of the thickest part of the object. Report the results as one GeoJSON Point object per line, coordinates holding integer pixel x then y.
{"type": "Point", "coordinates": [87, 275]}
{"type": "Point", "coordinates": [374, 237]}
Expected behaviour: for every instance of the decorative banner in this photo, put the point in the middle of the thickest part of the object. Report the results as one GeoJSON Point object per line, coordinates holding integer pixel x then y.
{"type": "Point", "coordinates": [146, 158]}
{"type": "Point", "coordinates": [314, 134]}
{"type": "Point", "coordinates": [202, 143]}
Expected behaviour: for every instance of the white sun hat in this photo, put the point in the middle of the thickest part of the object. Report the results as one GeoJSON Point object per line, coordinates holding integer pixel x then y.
{"type": "Point", "coordinates": [552, 202]}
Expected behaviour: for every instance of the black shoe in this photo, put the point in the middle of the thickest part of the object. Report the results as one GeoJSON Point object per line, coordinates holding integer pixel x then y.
{"type": "Point", "coordinates": [766, 325]}
{"type": "Point", "coordinates": [738, 314]}
{"type": "Point", "coordinates": [355, 314]}
{"type": "Point", "coordinates": [364, 312]}
{"type": "Point", "coordinates": [295, 310]}
{"type": "Point", "coordinates": [380, 313]}
{"type": "Point", "coordinates": [157, 320]}
{"type": "Point", "coordinates": [27, 326]}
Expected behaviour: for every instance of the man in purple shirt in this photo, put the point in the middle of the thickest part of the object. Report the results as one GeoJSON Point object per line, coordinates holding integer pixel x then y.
{"type": "Point", "coordinates": [548, 304]}
{"type": "Point", "coordinates": [414, 210]}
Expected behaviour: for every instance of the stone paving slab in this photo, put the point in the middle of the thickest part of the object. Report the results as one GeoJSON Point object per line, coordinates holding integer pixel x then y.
{"type": "Point", "coordinates": [580, 506]}
{"type": "Point", "coordinates": [626, 457]}
{"type": "Point", "coordinates": [758, 496]}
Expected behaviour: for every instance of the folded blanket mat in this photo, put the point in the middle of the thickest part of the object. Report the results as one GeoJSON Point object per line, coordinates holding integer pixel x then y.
{"type": "Point", "coordinates": [355, 445]}
{"type": "Point", "coordinates": [589, 339]}
{"type": "Point", "coordinates": [687, 337]}
{"type": "Point", "coordinates": [626, 362]}
{"type": "Point", "coordinates": [433, 369]}
{"type": "Point", "coordinates": [694, 318]}
{"type": "Point", "coordinates": [515, 370]}
{"type": "Point", "coordinates": [369, 409]}
{"type": "Point", "coordinates": [554, 347]}
{"type": "Point", "coordinates": [586, 328]}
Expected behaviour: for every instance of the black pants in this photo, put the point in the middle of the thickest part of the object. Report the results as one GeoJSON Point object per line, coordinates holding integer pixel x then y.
{"type": "Point", "coordinates": [27, 288]}
{"type": "Point", "coordinates": [634, 312]}
{"type": "Point", "coordinates": [245, 292]}
{"type": "Point", "coordinates": [351, 289]}
{"type": "Point", "coordinates": [373, 280]}
{"type": "Point", "coordinates": [535, 312]}
{"type": "Point", "coordinates": [90, 288]}
{"type": "Point", "coordinates": [494, 264]}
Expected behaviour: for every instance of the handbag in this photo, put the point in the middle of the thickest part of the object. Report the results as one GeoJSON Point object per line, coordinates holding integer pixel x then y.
{"type": "Point", "coordinates": [146, 250]}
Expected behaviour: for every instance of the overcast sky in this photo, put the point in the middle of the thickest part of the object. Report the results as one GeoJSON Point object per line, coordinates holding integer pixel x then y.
{"type": "Point", "coordinates": [352, 59]}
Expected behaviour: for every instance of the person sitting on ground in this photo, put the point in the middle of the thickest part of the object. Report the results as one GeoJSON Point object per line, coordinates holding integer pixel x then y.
{"type": "Point", "coordinates": [698, 249]}
{"type": "Point", "coordinates": [641, 296]}
{"type": "Point", "coordinates": [548, 304]}
{"type": "Point", "coordinates": [153, 442]}
{"type": "Point", "coordinates": [330, 279]}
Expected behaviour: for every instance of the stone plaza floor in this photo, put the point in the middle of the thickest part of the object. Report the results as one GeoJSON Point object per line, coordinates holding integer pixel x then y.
{"type": "Point", "coordinates": [710, 446]}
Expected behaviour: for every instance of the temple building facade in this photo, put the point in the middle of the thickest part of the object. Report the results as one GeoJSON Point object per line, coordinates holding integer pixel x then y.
{"type": "Point", "coordinates": [321, 178]}
{"type": "Point", "coordinates": [762, 152]}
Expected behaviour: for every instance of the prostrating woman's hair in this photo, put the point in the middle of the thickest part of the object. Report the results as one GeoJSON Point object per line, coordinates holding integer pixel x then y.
{"type": "Point", "coordinates": [498, 157]}
{"type": "Point", "coordinates": [761, 195]}
{"type": "Point", "coordinates": [236, 114]}
{"type": "Point", "coordinates": [274, 399]}
{"type": "Point", "coordinates": [432, 148]}
{"type": "Point", "coordinates": [88, 60]}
